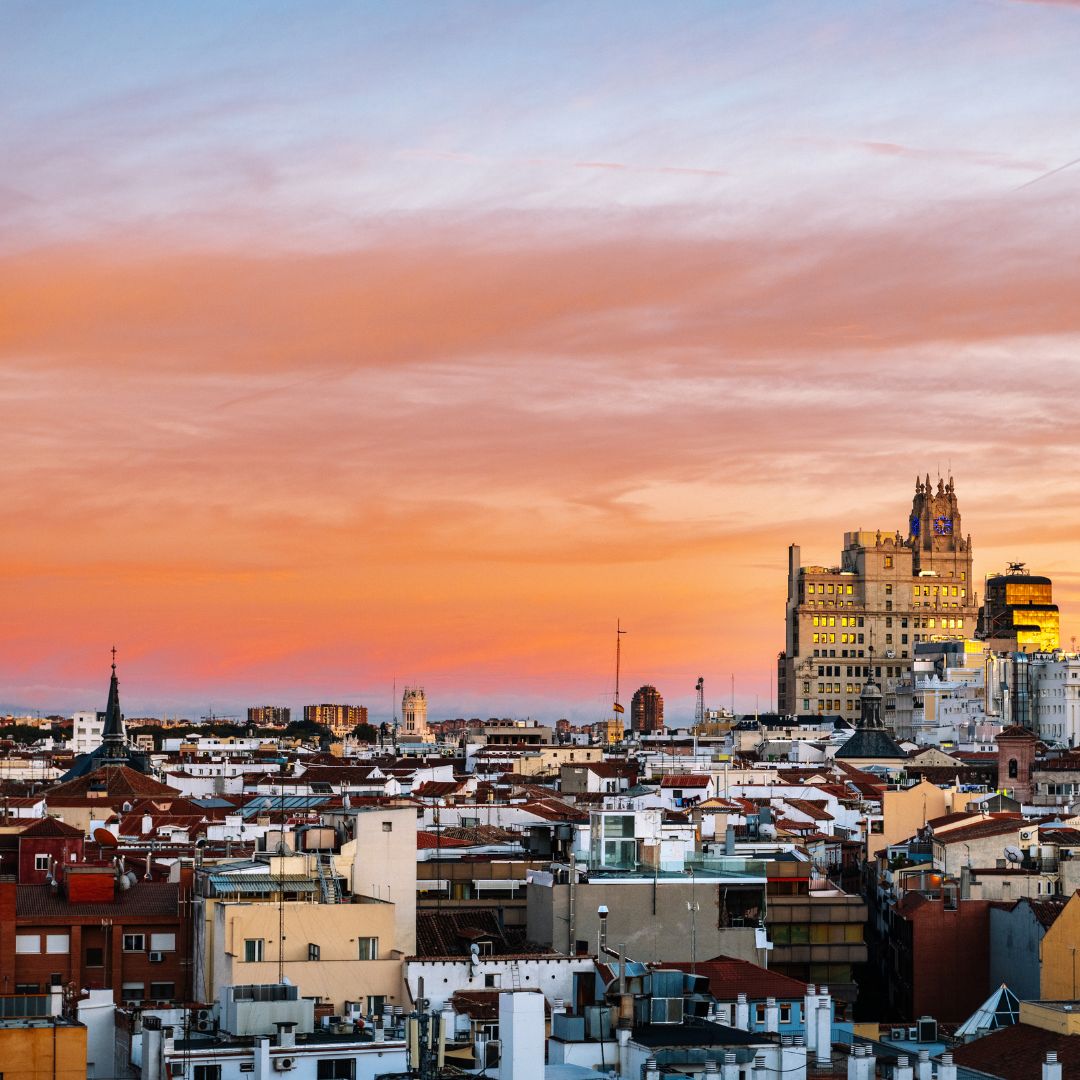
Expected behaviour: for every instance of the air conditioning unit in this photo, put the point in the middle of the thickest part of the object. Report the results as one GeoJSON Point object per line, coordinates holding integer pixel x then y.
{"type": "Point", "coordinates": [897, 1033]}
{"type": "Point", "coordinates": [913, 1034]}
{"type": "Point", "coordinates": [927, 1029]}
{"type": "Point", "coordinates": [157, 958]}
{"type": "Point", "coordinates": [204, 1014]}
{"type": "Point", "coordinates": [284, 1064]}
{"type": "Point", "coordinates": [205, 1025]}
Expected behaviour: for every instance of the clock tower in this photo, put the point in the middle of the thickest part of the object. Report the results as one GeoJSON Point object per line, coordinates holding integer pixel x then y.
{"type": "Point", "coordinates": [934, 534]}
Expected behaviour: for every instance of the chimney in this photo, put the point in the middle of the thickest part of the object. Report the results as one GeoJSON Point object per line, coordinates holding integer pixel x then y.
{"type": "Point", "coordinates": [793, 1057]}
{"type": "Point", "coordinates": [261, 1054]}
{"type": "Point", "coordinates": [742, 1013]}
{"type": "Point", "coordinates": [868, 1065]}
{"type": "Point", "coordinates": [824, 1029]}
{"type": "Point", "coordinates": [151, 1048]}
{"type": "Point", "coordinates": [712, 1071]}
{"type": "Point", "coordinates": [558, 1006]}
{"type": "Point", "coordinates": [761, 1071]}
{"type": "Point", "coordinates": [946, 1069]}
{"type": "Point", "coordinates": [810, 1004]}
{"type": "Point", "coordinates": [854, 1063]}
{"type": "Point", "coordinates": [903, 1070]}
{"type": "Point", "coordinates": [286, 1034]}
{"type": "Point", "coordinates": [521, 1028]}
{"type": "Point", "coordinates": [924, 1070]}
{"type": "Point", "coordinates": [1051, 1069]}
{"type": "Point", "coordinates": [772, 1015]}
{"type": "Point", "coordinates": [731, 1067]}
{"type": "Point", "coordinates": [729, 840]}
{"type": "Point", "coordinates": [652, 1070]}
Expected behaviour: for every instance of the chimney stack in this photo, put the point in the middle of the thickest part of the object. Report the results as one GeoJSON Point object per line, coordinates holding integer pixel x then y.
{"type": "Point", "coordinates": [946, 1068]}
{"type": "Point", "coordinates": [1051, 1069]}
{"type": "Point", "coordinates": [742, 1013]}
{"type": "Point", "coordinates": [824, 1028]}
{"type": "Point", "coordinates": [730, 1069]}
{"type": "Point", "coordinates": [925, 1068]}
{"type": "Point", "coordinates": [810, 1005]}
{"type": "Point", "coordinates": [903, 1070]}
{"type": "Point", "coordinates": [772, 1015]}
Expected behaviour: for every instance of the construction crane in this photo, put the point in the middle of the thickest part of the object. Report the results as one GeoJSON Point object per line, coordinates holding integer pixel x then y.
{"type": "Point", "coordinates": [699, 708]}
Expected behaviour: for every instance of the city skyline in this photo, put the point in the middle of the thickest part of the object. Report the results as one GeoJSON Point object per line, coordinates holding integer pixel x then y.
{"type": "Point", "coordinates": [384, 341]}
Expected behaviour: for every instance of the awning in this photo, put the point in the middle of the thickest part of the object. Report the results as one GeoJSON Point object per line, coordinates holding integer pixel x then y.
{"type": "Point", "coordinates": [260, 884]}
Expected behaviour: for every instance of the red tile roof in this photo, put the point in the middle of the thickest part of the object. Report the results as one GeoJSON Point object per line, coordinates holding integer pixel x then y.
{"type": "Point", "coordinates": [728, 977]}
{"type": "Point", "coordinates": [145, 899]}
{"type": "Point", "coordinates": [1017, 1052]}
{"type": "Point", "coordinates": [684, 780]}
{"type": "Point", "coordinates": [50, 827]}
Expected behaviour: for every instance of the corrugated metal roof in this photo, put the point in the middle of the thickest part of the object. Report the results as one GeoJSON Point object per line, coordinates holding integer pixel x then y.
{"type": "Point", "coordinates": [259, 884]}
{"type": "Point", "coordinates": [272, 803]}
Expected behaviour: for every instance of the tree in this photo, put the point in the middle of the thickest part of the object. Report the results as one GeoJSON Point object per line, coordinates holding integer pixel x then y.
{"type": "Point", "coordinates": [365, 733]}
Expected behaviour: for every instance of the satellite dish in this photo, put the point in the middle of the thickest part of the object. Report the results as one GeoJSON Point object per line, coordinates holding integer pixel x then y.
{"type": "Point", "coordinates": [1014, 854]}
{"type": "Point", "coordinates": [105, 838]}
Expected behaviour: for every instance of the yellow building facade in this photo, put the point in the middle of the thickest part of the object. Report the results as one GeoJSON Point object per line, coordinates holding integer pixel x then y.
{"type": "Point", "coordinates": [49, 1048]}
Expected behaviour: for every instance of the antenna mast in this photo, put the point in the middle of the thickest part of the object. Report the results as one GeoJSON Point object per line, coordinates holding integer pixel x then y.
{"type": "Point", "coordinates": [699, 708]}
{"type": "Point", "coordinates": [619, 631]}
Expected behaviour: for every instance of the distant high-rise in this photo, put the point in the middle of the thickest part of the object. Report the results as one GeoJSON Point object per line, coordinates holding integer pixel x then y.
{"type": "Point", "coordinates": [889, 592]}
{"type": "Point", "coordinates": [647, 710]}
{"type": "Point", "coordinates": [268, 715]}
{"type": "Point", "coordinates": [1019, 612]}
{"type": "Point", "coordinates": [414, 724]}
{"type": "Point", "coordinates": [340, 719]}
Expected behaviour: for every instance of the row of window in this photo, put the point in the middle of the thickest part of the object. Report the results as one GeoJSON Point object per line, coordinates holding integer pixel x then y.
{"type": "Point", "coordinates": [327, 1069]}
{"type": "Point", "coordinates": [830, 589]}
{"type": "Point", "coordinates": [367, 948]}
{"type": "Point", "coordinates": [36, 944]}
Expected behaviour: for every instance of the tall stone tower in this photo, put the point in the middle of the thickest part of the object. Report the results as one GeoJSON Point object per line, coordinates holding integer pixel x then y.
{"type": "Point", "coordinates": [935, 537]}
{"type": "Point", "coordinates": [888, 591]}
{"type": "Point", "coordinates": [414, 724]}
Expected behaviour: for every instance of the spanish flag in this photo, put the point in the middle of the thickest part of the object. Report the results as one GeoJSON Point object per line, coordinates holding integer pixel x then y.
{"type": "Point", "coordinates": [618, 708]}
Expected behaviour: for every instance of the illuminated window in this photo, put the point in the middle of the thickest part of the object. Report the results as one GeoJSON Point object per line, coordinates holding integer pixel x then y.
{"type": "Point", "coordinates": [888, 590]}
{"type": "Point", "coordinates": [848, 590]}
{"type": "Point", "coordinates": [888, 562]}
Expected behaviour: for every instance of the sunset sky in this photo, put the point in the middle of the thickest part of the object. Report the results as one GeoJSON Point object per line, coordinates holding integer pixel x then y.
{"type": "Point", "coordinates": [348, 342]}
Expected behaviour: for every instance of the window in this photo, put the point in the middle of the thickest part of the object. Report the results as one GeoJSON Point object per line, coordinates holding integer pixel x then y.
{"type": "Point", "coordinates": [132, 991]}
{"type": "Point", "coordinates": [27, 943]}
{"type": "Point", "coordinates": [41, 862]}
{"type": "Point", "coordinates": [95, 957]}
{"type": "Point", "coordinates": [163, 942]}
{"type": "Point", "coordinates": [491, 980]}
{"type": "Point", "coordinates": [888, 590]}
{"type": "Point", "coordinates": [134, 942]}
{"type": "Point", "coordinates": [368, 948]}
{"type": "Point", "coordinates": [26, 988]}
{"type": "Point", "coordinates": [387, 826]}
{"type": "Point", "coordinates": [313, 951]}
{"type": "Point", "coordinates": [253, 950]}
{"type": "Point", "coordinates": [162, 991]}
{"type": "Point", "coordinates": [336, 1069]}
{"type": "Point", "coordinates": [57, 943]}
{"type": "Point", "coordinates": [206, 1072]}
{"type": "Point", "coordinates": [888, 562]}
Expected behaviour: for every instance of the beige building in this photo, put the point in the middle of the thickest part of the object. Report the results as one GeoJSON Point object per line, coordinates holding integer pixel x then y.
{"type": "Point", "coordinates": [887, 593]}
{"type": "Point", "coordinates": [338, 945]}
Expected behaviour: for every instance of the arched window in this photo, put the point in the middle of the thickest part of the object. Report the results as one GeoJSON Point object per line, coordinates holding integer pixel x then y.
{"type": "Point", "coordinates": [1013, 772]}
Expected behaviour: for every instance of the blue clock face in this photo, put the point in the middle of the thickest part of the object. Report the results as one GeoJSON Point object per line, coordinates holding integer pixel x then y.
{"type": "Point", "coordinates": [915, 523]}
{"type": "Point", "coordinates": [943, 525]}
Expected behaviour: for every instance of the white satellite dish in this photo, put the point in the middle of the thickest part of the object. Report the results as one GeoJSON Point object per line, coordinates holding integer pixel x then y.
{"type": "Point", "coordinates": [1014, 854]}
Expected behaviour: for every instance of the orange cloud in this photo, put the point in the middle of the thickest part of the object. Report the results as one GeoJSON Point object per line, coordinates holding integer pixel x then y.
{"type": "Point", "coordinates": [456, 458]}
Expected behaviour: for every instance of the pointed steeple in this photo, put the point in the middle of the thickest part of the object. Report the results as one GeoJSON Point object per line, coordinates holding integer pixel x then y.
{"type": "Point", "coordinates": [870, 699]}
{"type": "Point", "coordinates": [113, 742]}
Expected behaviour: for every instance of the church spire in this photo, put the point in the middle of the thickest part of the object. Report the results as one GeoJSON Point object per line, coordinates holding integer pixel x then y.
{"type": "Point", "coordinates": [113, 741]}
